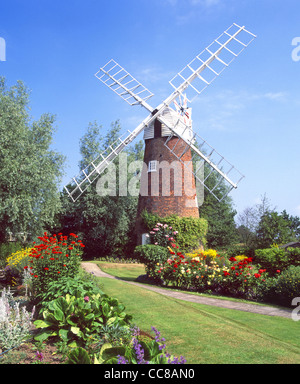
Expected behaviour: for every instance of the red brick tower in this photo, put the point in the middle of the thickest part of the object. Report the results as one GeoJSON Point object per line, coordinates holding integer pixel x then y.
{"type": "Point", "coordinates": [167, 185]}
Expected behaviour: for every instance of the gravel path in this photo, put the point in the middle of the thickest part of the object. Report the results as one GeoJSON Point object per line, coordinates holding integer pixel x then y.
{"type": "Point", "coordinates": [260, 309]}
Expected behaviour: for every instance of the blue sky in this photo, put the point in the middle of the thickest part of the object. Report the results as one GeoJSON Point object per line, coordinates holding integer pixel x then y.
{"type": "Point", "coordinates": [250, 114]}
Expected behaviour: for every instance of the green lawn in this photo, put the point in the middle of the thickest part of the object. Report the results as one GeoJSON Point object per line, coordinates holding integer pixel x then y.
{"type": "Point", "coordinates": [202, 333]}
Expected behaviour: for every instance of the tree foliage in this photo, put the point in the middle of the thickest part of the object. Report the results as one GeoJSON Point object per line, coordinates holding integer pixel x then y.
{"type": "Point", "coordinates": [106, 222]}
{"type": "Point", "coordinates": [30, 170]}
{"type": "Point", "coordinates": [261, 226]}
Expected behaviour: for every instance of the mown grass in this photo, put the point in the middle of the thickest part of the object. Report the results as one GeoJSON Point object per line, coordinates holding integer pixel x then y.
{"type": "Point", "coordinates": [206, 334]}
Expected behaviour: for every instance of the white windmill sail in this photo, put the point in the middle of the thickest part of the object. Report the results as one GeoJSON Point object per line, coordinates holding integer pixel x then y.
{"type": "Point", "coordinates": [201, 71]}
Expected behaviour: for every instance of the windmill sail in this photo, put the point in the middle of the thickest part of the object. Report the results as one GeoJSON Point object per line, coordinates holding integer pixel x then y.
{"type": "Point", "coordinates": [209, 64]}
{"type": "Point", "coordinates": [211, 169]}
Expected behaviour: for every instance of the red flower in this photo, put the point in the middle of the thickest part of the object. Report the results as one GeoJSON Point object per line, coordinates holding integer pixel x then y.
{"type": "Point", "coordinates": [25, 267]}
{"type": "Point", "coordinates": [58, 271]}
{"type": "Point", "coordinates": [278, 271]}
{"type": "Point", "coordinates": [46, 269]}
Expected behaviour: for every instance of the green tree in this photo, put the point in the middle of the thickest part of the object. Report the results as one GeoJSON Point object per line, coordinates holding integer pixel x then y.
{"type": "Point", "coordinates": [294, 224]}
{"type": "Point", "coordinates": [248, 221]}
{"type": "Point", "coordinates": [273, 228]}
{"type": "Point", "coordinates": [105, 221]}
{"type": "Point", "coordinates": [220, 215]}
{"type": "Point", "coordinates": [222, 230]}
{"type": "Point", "coordinates": [30, 171]}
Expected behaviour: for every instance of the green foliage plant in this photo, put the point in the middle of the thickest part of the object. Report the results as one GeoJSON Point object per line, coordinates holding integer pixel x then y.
{"type": "Point", "coordinates": [75, 286]}
{"type": "Point", "coordinates": [191, 231]}
{"type": "Point", "coordinates": [6, 249]}
{"type": "Point", "coordinates": [15, 321]}
{"type": "Point", "coordinates": [78, 320]}
{"type": "Point", "coordinates": [275, 258]}
{"type": "Point", "coordinates": [141, 350]}
{"type": "Point", "coordinates": [56, 256]}
{"type": "Point", "coordinates": [151, 255]}
{"type": "Point", "coordinates": [207, 272]}
{"type": "Point", "coordinates": [30, 170]}
{"type": "Point", "coordinates": [284, 287]}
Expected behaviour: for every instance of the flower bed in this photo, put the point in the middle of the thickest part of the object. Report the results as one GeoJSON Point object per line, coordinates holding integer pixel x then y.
{"type": "Point", "coordinates": [72, 313]}
{"type": "Point", "coordinates": [209, 271]}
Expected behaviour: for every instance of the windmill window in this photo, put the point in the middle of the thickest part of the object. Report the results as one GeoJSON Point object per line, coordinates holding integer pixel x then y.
{"type": "Point", "coordinates": [152, 166]}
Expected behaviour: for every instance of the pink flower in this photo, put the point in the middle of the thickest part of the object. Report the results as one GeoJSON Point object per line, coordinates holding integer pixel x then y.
{"type": "Point", "coordinates": [86, 299]}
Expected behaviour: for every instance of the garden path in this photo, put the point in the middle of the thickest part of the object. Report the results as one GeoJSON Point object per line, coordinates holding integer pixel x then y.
{"type": "Point", "coordinates": [260, 309]}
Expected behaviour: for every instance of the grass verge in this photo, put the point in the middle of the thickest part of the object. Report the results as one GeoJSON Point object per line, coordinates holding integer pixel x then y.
{"type": "Point", "coordinates": [204, 334]}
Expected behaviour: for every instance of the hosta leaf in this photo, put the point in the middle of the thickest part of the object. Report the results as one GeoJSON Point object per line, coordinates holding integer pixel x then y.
{"type": "Point", "coordinates": [78, 356]}
{"type": "Point", "coordinates": [43, 335]}
{"type": "Point", "coordinates": [41, 324]}
{"type": "Point", "coordinates": [75, 330]}
{"type": "Point", "coordinates": [63, 333]}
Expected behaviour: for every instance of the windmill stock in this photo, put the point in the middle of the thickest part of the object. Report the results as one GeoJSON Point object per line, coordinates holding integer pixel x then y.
{"type": "Point", "coordinates": [168, 133]}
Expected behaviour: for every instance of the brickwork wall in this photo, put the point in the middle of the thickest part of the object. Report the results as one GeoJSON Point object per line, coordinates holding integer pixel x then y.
{"type": "Point", "coordinates": [171, 190]}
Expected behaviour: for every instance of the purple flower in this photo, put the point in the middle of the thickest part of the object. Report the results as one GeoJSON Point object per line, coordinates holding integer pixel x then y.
{"type": "Point", "coordinates": [122, 360]}
{"type": "Point", "coordinates": [39, 356]}
{"type": "Point", "coordinates": [139, 352]}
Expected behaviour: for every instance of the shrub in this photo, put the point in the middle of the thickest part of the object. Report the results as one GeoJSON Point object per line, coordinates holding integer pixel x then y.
{"type": "Point", "coordinates": [277, 258]}
{"type": "Point", "coordinates": [243, 279]}
{"type": "Point", "coordinates": [18, 260]}
{"type": "Point", "coordinates": [149, 254]}
{"type": "Point", "coordinates": [283, 288]}
{"type": "Point", "coordinates": [191, 230]}
{"type": "Point", "coordinates": [7, 249]}
{"type": "Point", "coordinates": [162, 235]}
{"type": "Point", "coordinates": [65, 285]}
{"type": "Point", "coordinates": [15, 322]}
{"type": "Point", "coordinates": [56, 256]}
{"type": "Point", "coordinates": [139, 350]}
{"type": "Point", "coordinates": [77, 320]}
{"type": "Point", "coordinates": [210, 273]}
{"type": "Point", "coordinates": [239, 249]}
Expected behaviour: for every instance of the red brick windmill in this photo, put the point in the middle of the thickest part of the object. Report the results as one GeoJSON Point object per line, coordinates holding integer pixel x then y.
{"type": "Point", "coordinates": [171, 145]}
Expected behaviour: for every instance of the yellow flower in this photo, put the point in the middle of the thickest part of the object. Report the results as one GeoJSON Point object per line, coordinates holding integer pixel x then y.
{"type": "Point", "coordinates": [210, 252]}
